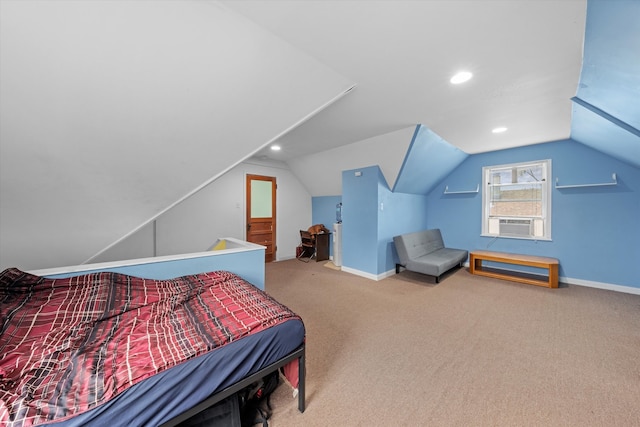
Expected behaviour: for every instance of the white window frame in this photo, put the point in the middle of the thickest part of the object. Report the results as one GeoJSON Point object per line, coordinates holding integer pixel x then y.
{"type": "Point", "coordinates": [540, 227]}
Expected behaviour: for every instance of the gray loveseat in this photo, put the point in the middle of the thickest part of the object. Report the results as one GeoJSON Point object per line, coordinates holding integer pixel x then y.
{"type": "Point", "coordinates": [424, 252]}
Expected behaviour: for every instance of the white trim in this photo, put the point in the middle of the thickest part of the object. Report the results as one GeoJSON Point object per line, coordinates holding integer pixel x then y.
{"type": "Point", "coordinates": [601, 285]}
{"type": "Point", "coordinates": [242, 246]}
{"type": "Point", "coordinates": [494, 236]}
{"type": "Point", "coordinates": [562, 279]}
{"type": "Point", "coordinates": [578, 282]}
{"type": "Point", "coordinates": [359, 273]}
{"type": "Point", "coordinates": [386, 274]}
{"type": "Point", "coordinates": [376, 277]}
{"type": "Point", "coordinates": [546, 199]}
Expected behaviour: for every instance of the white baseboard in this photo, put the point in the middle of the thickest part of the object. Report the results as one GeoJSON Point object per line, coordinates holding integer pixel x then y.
{"type": "Point", "coordinates": [600, 285]}
{"type": "Point", "coordinates": [582, 282]}
{"type": "Point", "coordinates": [371, 276]}
{"type": "Point", "coordinates": [561, 279]}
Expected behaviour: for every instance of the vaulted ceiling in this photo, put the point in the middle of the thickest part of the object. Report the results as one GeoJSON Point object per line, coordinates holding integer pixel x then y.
{"type": "Point", "coordinates": [525, 56]}
{"type": "Point", "coordinates": [114, 111]}
{"type": "Point", "coordinates": [527, 61]}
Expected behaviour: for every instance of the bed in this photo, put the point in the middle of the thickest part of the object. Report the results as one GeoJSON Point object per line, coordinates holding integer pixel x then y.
{"type": "Point", "coordinates": [105, 346]}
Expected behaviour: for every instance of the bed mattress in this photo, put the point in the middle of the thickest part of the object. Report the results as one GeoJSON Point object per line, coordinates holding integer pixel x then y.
{"type": "Point", "coordinates": [95, 348]}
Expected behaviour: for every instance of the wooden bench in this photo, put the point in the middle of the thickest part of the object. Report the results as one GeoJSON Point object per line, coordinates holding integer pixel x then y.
{"type": "Point", "coordinates": [551, 264]}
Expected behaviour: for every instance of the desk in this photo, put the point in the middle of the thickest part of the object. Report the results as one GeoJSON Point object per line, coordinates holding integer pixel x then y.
{"type": "Point", "coordinates": [322, 246]}
{"type": "Point", "coordinates": [551, 264]}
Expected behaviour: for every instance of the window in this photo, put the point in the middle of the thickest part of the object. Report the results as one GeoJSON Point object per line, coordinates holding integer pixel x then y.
{"type": "Point", "coordinates": [517, 200]}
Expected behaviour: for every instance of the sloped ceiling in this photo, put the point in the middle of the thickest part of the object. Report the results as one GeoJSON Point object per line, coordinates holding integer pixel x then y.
{"type": "Point", "coordinates": [527, 61]}
{"type": "Point", "coordinates": [428, 160]}
{"type": "Point", "coordinates": [321, 173]}
{"type": "Point", "coordinates": [606, 111]}
{"type": "Point", "coordinates": [525, 56]}
{"type": "Point", "coordinates": [112, 111]}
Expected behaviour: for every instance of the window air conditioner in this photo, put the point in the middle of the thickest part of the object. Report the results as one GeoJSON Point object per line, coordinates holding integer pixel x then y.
{"type": "Point", "coordinates": [516, 227]}
{"type": "Point", "coordinates": [528, 227]}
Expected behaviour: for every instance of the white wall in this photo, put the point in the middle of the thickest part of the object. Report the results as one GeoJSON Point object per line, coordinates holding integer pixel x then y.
{"type": "Point", "coordinates": [112, 111]}
{"type": "Point", "coordinates": [138, 245]}
{"type": "Point", "coordinates": [386, 151]}
{"type": "Point", "coordinates": [218, 210]}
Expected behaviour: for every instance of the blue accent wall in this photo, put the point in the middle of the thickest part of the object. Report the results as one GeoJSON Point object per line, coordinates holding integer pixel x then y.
{"type": "Point", "coordinates": [360, 219]}
{"type": "Point", "coordinates": [323, 211]}
{"type": "Point", "coordinates": [595, 231]}
{"type": "Point", "coordinates": [372, 214]}
{"type": "Point", "coordinates": [398, 213]}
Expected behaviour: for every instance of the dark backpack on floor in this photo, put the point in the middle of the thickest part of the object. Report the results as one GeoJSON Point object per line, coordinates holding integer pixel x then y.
{"type": "Point", "coordinates": [255, 405]}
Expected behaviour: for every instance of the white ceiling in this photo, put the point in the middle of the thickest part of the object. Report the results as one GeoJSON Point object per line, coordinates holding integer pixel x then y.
{"type": "Point", "coordinates": [114, 111]}
{"type": "Point", "coordinates": [525, 56]}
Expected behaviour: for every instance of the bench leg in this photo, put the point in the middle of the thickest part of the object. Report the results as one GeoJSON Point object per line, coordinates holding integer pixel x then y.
{"type": "Point", "coordinates": [553, 276]}
{"type": "Point", "coordinates": [397, 268]}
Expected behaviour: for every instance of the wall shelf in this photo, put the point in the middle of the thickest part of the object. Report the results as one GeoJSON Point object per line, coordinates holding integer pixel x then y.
{"type": "Point", "coordinates": [446, 190]}
{"type": "Point", "coordinates": [613, 177]}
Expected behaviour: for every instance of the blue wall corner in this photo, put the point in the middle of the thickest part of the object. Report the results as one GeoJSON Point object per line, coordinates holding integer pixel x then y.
{"type": "Point", "coordinates": [399, 213]}
{"type": "Point", "coordinates": [372, 214]}
{"type": "Point", "coordinates": [360, 218]}
{"type": "Point", "coordinates": [594, 229]}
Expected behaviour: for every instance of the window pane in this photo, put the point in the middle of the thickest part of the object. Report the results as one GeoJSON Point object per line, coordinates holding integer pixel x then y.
{"type": "Point", "coordinates": [530, 173]}
{"type": "Point", "coordinates": [516, 209]}
{"type": "Point", "coordinates": [519, 174]}
{"type": "Point", "coordinates": [519, 200]}
{"type": "Point", "coordinates": [261, 199]}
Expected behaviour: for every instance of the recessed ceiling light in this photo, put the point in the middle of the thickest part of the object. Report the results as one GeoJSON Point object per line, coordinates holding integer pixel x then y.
{"type": "Point", "coordinates": [275, 147]}
{"type": "Point", "coordinates": [499, 130]}
{"type": "Point", "coordinates": [461, 77]}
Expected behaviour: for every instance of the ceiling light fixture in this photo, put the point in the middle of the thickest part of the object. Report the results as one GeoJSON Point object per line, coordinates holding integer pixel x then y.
{"type": "Point", "coordinates": [275, 147]}
{"type": "Point", "coordinates": [461, 77]}
{"type": "Point", "coordinates": [499, 130]}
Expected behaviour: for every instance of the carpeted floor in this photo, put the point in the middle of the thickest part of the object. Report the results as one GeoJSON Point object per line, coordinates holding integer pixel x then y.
{"type": "Point", "coordinates": [469, 351]}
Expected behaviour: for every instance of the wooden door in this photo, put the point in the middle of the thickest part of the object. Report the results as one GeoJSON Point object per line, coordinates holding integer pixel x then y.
{"type": "Point", "coordinates": [261, 213]}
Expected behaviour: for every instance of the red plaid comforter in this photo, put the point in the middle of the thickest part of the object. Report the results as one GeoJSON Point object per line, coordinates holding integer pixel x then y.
{"type": "Point", "coordinates": [68, 345]}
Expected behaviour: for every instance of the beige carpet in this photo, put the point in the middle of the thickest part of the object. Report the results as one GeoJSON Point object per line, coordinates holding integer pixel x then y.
{"type": "Point", "coordinates": [470, 351]}
{"type": "Point", "coordinates": [330, 264]}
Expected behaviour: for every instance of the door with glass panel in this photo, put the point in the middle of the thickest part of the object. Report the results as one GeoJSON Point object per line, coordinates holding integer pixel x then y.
{"type": "Point", "coordinates": [261, 213]}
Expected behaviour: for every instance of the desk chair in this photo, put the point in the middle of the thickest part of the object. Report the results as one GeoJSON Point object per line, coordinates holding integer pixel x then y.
{"type": "Point", "coordinates": [308, 243]}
